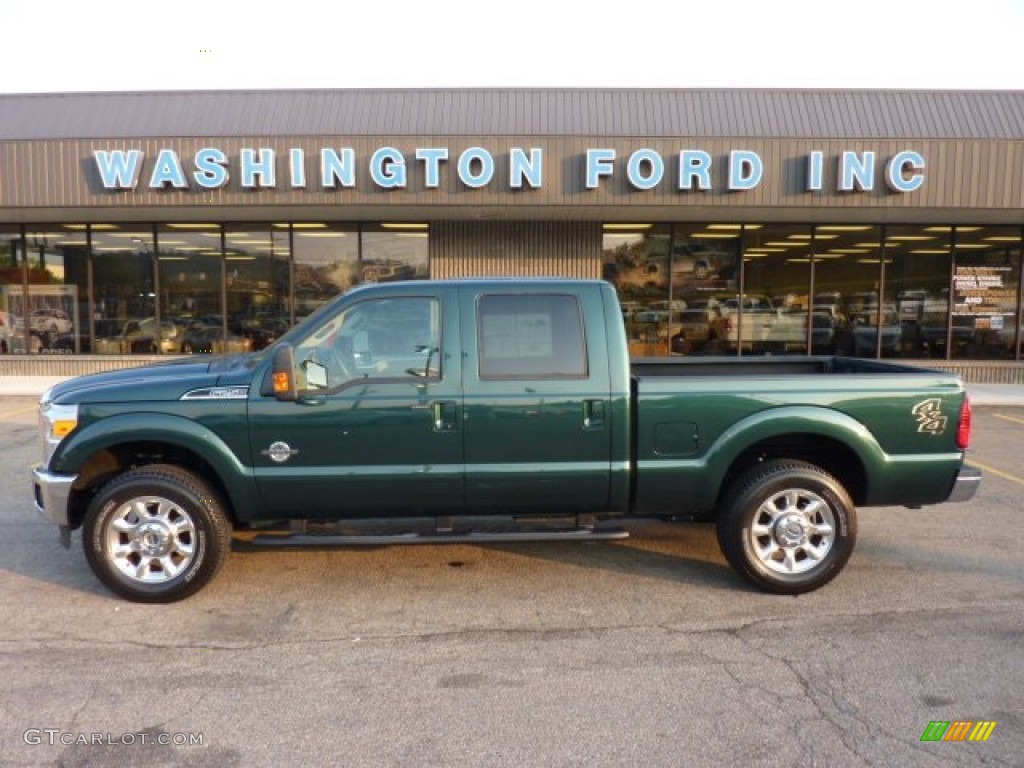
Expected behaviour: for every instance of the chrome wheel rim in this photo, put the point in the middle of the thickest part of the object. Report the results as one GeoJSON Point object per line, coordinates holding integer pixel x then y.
{"type": "Point", "coordinates": [151, 539]}
{"type": "Point", "coordinates": [792, 531]}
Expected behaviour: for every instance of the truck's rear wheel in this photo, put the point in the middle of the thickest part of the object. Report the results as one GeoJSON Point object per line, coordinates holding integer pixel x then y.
{"type": "Point", "coordinates": [787, 526]}
{"type": "Point", "coordinates": [156, 534]}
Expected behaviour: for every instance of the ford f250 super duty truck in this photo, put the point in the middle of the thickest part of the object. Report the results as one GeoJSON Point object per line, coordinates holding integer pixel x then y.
{"type": "Point", "coordinates": [482, 411]}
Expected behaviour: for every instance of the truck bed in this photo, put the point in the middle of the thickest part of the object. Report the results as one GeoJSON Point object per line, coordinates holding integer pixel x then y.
{"type": "Point", "coordinates": [892, 423]}
{"type": "Point", "coordinates": [765, 366]}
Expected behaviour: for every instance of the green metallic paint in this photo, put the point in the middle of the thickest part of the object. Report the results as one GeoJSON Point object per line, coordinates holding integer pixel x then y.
{"type": "Point", "coordinates": [663, 443]}
{"type": "Point", "coordinates": [668, 485]}
{"type": "Point", "coordinates": [190, 430]}
{"type": "Point", "coordinates": [517, 430]}
{"type": "Point", "coordinates": [372, 447]}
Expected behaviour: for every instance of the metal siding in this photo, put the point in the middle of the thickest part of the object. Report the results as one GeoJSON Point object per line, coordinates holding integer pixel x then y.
{"type": "Point", "coordinates": [515, 249]}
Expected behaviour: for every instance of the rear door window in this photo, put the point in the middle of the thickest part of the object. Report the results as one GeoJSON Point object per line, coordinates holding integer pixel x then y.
{"type": "Point", "coordinates": [531, 336]}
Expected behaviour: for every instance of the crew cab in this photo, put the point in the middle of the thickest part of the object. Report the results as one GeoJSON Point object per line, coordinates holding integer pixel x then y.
{"type": "Point", "coordinates": [482, 411]}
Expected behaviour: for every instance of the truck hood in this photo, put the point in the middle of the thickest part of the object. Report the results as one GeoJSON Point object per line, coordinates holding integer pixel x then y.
{"type": "Point", "coordinates": [150, 383]}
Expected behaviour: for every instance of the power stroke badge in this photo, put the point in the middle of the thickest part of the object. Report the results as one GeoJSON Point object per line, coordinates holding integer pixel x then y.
{"type": "Point", "coordinates": [929, 416]}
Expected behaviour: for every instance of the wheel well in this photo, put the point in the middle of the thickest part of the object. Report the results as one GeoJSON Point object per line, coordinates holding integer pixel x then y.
{"type": "Point", "coordinates": [110, 462]}
{"type": "Point", "coordinates": [831, 455]}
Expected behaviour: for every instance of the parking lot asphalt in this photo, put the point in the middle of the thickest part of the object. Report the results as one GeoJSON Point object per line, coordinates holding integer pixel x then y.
{"type": "Point", "coordinates": [646, 652]}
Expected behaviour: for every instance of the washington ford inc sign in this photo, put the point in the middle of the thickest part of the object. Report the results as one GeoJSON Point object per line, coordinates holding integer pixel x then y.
{"type": "Point", "coordinates": [476, 167]}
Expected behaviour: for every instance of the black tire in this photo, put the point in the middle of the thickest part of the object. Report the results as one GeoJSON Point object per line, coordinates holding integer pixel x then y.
{"type": "Point", "coordinates": [161, 522]}
{"type": "Point", "coordinates": [787, 526]}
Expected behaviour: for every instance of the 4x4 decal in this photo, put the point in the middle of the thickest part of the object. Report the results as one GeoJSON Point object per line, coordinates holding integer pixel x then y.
{"type": "Point", "coordinates": [930, 417]}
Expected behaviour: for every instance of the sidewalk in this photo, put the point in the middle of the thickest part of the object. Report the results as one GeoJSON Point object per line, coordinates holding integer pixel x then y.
{"type": "Point", "coordinates": [1005, 395]}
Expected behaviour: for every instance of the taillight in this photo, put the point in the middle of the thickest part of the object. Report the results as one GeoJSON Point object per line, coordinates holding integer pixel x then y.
{"type": "Point", "coordinates": [963, 430]}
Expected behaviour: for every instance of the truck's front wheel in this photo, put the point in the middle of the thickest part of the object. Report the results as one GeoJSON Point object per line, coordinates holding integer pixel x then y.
{"type": "Point", "coordinates": [787, 526]}
{"type": "Point", "coordinates": [156, 534]}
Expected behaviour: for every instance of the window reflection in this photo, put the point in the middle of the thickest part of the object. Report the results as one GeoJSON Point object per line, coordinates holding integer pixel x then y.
{"type": "Point", "coordinates": [705, 272]}
{"type": "Point", "coordinates": [123, 306]}
{"type": "Point", "coordinates": [636, 260]}
{"type": "Point", "coordinates": [847, 275]}
{"type": "Point", "coordinates": [191, 268]}
{"type": "Point", "coordinates": [52, 306]}
{"type": "Point", "coordinates": [256, 280]}
{"type": "Point", "coordinates": [11, 275]}
{"type": "Point", "coordinates": [326, 263]}
{"type": "Point", "coordinates": [777, 273]}
{"type": "Point", "coordinates": [394, 251]}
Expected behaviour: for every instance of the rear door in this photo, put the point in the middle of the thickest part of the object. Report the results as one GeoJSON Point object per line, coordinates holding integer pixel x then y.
{"type": "Point", "coordinates": [536, 399]}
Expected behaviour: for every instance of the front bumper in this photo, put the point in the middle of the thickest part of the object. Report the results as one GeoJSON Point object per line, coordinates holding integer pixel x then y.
{"type": "Point", "coordinates": [51, 493]}
{"type": "Point", "coordinates": [967, 481]}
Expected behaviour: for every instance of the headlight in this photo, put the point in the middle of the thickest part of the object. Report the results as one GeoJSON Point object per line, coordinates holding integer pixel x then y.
{"type": "Point", "coordinates": [55, 423]}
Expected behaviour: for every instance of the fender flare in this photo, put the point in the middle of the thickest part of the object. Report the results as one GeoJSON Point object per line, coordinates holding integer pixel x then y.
{"type": "Point", "coordinates": [236, 479]}
{"type": "Point", "coordinates": [793, 420]}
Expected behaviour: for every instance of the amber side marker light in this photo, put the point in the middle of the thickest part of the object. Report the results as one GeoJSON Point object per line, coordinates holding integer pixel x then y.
{"type": "Point", "coordinates": [62, 428]}
{"type": "Point", "coordinates": [282, 382]}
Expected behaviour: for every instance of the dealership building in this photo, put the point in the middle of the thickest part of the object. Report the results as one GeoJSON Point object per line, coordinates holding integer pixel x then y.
{"type": "Point", "coordinates": [881, 224]}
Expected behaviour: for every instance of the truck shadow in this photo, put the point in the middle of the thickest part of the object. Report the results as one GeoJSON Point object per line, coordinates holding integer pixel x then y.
{"type": "Point", "coordinates": [679, 553]}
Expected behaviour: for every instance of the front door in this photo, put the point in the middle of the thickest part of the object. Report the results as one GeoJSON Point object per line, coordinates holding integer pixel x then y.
{"type": "Point", "coordinates": [377, 429]}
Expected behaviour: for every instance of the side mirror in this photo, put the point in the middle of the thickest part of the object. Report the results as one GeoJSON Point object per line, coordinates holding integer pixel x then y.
{"type": "Point", "coordinates": [283, 374]}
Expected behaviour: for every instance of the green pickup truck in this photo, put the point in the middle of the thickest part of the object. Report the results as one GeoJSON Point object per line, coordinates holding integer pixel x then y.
{"type": "Point", "coordinates": [483, 411]}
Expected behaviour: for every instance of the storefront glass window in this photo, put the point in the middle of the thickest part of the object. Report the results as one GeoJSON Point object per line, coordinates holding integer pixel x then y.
{"type": "Point", "coordinates": [847, 280]}
{"type": "Point", "coordinates": [256, 262]}
{"type": "Point", "coordinates": [776, 286]}
{"type": "Point", "coordinates": [11, 281]}
{"type": "Point", "coordinates": [705, 269]}
{"type": "Point", "coordinates": [191, 283]}
{"type": "Point", "coordinates": [394, 251]}
{"type": "Point", "coordinates": [56, 302]}
{"type": "Point", "coordinates": [326, 263]}
{"type": "Point", "coordinates": [986, 289]}
{"type": "Point", "coordinates": [123, 307]}
{"type": "Point", "coordinates": [916, 295]}
{"type": "Point", "coordinates": [637, 263]}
